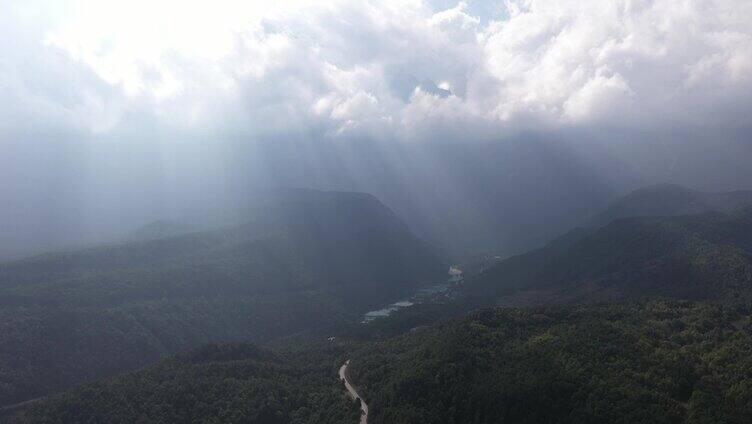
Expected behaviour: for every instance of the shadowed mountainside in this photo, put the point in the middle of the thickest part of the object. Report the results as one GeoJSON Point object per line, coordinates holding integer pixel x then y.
{"type": "Point", "coordinates": [215, 383]}
{"type": "Point", "coordinates": [705, 256]}
{"type": "Point", "coordinates": [672, 200]}
{"type": "Point", "coordinates": [658, 362]}
{"type": "Point", "coordinates": [306, 263]}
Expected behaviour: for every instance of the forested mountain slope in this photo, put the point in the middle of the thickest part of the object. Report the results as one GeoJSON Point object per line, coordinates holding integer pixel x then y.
{"type": "Point", "coordinates": [306, 263]}
{"type": "Point", "coordinates": [705, 256]}
{"type": "Point", "coordinates": [318, 240]}
{"type": "Point", "coordinates": [659, 362]}
{"type": "Point", "coordinates": [672, 200]}
{"type": "Point", "coordinates": [225, 383]}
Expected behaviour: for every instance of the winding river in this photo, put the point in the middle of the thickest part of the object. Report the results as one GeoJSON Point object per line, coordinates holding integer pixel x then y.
{"type": "Point", "coordinates": [353, 393]}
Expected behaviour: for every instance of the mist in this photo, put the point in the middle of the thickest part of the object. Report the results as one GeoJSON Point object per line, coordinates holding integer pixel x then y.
{"type": "Point", "coordinates": [447, 114]}
{"type": "Point", "coordinates": [498, 197]}
{"type": "Point", "coordinates": [396, 211]}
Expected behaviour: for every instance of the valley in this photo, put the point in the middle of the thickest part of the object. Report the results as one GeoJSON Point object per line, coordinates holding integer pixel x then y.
{"type": "Point", "coordinates": [344, 376]}
{"type": "Point", "coordinates": [643, 292]}
{"type": "Point", "coordinates": [376, 212]}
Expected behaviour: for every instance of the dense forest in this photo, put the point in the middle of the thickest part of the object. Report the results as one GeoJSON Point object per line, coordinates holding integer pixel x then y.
{"type": "Point", "coordinates": [224, 383]}
{"type": "Point", "coordinates": [702, 256]}
{"type": "Point", "coordinates": [309, 263]}
{"type": "Point", "coordinates": [44, 350]}
{"type": "Point", "coordinates": [657, 362]}
{"type": "Point", "coordinates": [376, 212]}
{"type": "Point", "coordinates": [706, 256]}
{"type": "Point", "coordinates": [677, 352]}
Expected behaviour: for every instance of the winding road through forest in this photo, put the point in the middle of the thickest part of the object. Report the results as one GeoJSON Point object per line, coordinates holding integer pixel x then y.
{"type": "Point", "coordinates": [353, 393]}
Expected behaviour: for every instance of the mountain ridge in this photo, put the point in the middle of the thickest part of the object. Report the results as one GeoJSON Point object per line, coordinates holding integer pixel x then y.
{"type": "Point", "coordinates": [302, 266]}
{"type": "Point", "coordinates": [671, 200]}
{"type": "Point", "coordinates": [707, 255]}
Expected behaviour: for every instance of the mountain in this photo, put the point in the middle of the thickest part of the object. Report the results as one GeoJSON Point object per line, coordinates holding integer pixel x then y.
{"type": "Point", "coordinates": [307, 263]}
{"type": "Point", "coordinates": [657, 362]}
{"type": "Point", "coordinates": [158, 230]}
{"type": "Point", "coordinates": [677, 351]}
{"type": "Point", "coordinates": [215, 383]}
{"type": "Point", "coordinates": [319, 240]}
{"type": "Point", "coordinates": [703, 256]}
{"type": "Point", "coordinates": [672, 200]}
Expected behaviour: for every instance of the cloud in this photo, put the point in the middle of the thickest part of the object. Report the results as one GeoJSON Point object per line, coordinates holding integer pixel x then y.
{"type": "Point", "coordinates": [386, 70]}
{"type": "Point", "coordinates": [585, 61]}
{"type": "Point", "coordinates": [597, 97]}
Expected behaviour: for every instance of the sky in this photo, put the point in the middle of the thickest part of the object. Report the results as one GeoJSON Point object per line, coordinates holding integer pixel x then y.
{"type": "Point", "coordinates": [115, 112]}
{"type": "Point", "coordinates": [388, 70]}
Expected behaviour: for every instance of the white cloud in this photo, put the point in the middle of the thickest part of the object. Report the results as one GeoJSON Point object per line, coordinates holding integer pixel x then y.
{"type": "Point", "coordinates": [392, 69]}
{"type": "Point", "coordinates": [597, 97]}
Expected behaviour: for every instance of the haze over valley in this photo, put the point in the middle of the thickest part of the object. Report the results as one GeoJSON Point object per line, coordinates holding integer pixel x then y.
{"type": "Point", "coordinates": [413, 212]}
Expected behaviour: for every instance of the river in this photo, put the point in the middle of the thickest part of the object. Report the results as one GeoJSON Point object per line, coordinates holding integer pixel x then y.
{"type": "Point", "coordinates": [353, 393]}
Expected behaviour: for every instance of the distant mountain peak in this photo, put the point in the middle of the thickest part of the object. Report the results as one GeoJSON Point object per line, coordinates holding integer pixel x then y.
{"type": "Point", "coordinates": [672, 200]}
{"type": "Point", "coordinates": [159, 229]}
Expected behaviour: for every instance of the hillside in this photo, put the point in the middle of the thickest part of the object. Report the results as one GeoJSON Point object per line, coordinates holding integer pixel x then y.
{"type": "Point", "coordinates": [225, 383]}
{"type": "Point", "coordinates": [657, 362]}
{"type": "Point", "coordinates": [320, 239]}
{"type": "Point", "coordinates": [660, 362]}
{"type": "Point", "coordinates": [705, 256]}
{"type": "Point", "coordinates": [672, 200]}
{"type": "Point", "coordinates": [312, 262]}
{"type": "Point", "coordinates": [307, 264]}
